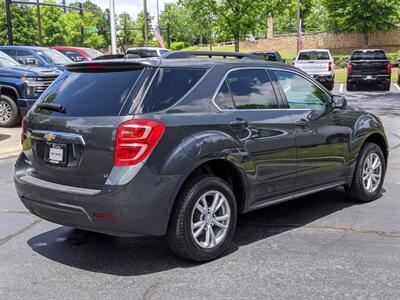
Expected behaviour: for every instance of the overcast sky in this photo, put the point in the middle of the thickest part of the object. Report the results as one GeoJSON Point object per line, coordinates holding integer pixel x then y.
{"type": "Point", "coordinates": [133, 7]}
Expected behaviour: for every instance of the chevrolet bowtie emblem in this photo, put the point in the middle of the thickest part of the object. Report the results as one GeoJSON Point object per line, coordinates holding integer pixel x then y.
{"type": "Point", "coordinates": [49, 137]}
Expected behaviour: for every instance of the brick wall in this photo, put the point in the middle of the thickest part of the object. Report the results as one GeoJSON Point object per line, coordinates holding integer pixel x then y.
{"type": "Point", "coordinates": [339, 43]}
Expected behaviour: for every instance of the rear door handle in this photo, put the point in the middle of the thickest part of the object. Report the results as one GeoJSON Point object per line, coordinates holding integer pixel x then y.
{"type": "Point", "coordinates": [239, 123]}
{"type": "Point", "coordinates": [303, 123]}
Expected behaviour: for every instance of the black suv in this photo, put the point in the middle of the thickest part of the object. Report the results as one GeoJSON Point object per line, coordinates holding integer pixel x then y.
{"type": "Point", "coordinates": [179, 146]}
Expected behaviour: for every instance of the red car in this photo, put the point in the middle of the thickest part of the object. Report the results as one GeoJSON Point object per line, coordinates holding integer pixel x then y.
{"type": "Point", "coordinates": [78, 53]}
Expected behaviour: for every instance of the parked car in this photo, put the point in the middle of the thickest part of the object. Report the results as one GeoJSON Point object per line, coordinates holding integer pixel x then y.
{"type": "Point", "coordinates": [319, 64]}
{"type": "Point", "coordinates": [180, 146]}
{"type": "Point", "coordinates": [270, 56]}
{"type": "Point", "coordinates": [77, 54]}
{"type": "Point", "coordinates": [145, 52]}
{"type": "Point", "coordinates": [368, 66]}
{"type": "Point", "coordinates": [20, 86]}
{"type": "Point", "coordinates": [38, 56]}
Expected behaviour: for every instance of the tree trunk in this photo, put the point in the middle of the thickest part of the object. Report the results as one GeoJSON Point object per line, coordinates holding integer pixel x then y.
{"type": "Point", "coordinates": [236, 43]}
{"type": "Point", "coordinates": [366, 40]}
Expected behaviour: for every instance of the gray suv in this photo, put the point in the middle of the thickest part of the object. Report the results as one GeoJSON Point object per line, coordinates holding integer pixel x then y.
{"type": "Point", "coordinates": [179, 146]}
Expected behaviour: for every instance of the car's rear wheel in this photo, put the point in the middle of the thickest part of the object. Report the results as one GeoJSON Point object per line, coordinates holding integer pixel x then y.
{"type": "Point", "coordinates": [204, 219]}
{"type": "Point", "coordinates": [369, 174]}
{"type": "Point", "coordinates": [9, 112]}
{"type": "Point", "coordinates": [350, 86]}
{"type": "Point", "coordinates": [329, 85]}
{"type": "Point", "coordinates": [386, 86]}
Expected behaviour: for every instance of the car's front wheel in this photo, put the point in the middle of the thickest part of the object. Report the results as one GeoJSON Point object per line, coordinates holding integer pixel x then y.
{"type": "Point", "coordinates": [369, 174]}
{"type": "Point", "coordinates": [9, 112]}
{"type": "Point", "coordinates": [204, 219]}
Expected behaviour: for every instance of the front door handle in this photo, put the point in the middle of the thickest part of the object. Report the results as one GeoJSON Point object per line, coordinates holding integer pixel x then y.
{"type": "Point", "coordinates": [239, 123]}
{"type": "Point", "coordinates": [303, 123]}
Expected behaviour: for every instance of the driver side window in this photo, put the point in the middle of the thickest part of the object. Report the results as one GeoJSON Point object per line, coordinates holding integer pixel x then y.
{"type": "Point", "coordinates": [301, 93]}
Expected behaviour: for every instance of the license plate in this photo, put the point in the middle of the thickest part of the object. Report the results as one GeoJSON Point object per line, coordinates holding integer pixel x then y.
{"type": "Point", "coordinates": [56, 154]}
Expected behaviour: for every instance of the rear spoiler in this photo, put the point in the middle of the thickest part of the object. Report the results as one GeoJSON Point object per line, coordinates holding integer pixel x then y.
{"type": "Point", "coordinates": [111, 65]}
{"type": "Point", "coordinates": [209, 54]}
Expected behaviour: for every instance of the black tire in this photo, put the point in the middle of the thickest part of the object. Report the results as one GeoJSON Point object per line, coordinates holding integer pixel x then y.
{"type": "Point", "coordinates": [386, 86]}
{"type": "Point", "coordinates": [357, 190]}
{"type": "Point", "coordinates": [350, 86]}
{"type": "Point", "coordinates": [330, 85]}
{"type": "Point", "coordinates": [179, 234]}
{"type": "Point", "coordinates": [10, 108]}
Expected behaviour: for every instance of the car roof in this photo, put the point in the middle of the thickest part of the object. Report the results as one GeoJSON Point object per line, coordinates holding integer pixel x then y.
{"type": "Point", "coordinates": [146, 48]}
{"type": "Point", "coordinates": [70, 47]}
{"type": "Point", "coordinates": [367, 50]}
{"type": "Point", "coordinates": [306, 50]}
{"type": "Point", "coordinates": [23, 47]}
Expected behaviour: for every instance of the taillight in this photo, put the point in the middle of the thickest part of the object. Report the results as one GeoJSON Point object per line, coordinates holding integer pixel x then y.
{"type": "Point", "coordinates": [330, 66]}
{"type": "Point", "coordinates": [135, 140]}
{"type": "Point", "coordinates": [350, 68]}
{"type": "Point", "coordinates": [389, 69]}
{"type": "Point", "coordinates": [23, 129]}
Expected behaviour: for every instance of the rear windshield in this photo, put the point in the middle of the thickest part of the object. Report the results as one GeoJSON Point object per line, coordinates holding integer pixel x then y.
{"type": "Point", "coordinates": [314, 55]}
{"type": "Point", "coordinates": [143, 53]}
{"type": "Point", "coordinates": [90, 94]}
{"type": "Point", "coordinates": [368, 55]}
{"type": "Point", "coordinates": [168, 86]}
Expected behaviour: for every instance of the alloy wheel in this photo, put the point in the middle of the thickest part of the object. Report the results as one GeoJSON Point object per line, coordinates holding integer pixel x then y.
{"type": "Point", "coordinates": [372, 172]}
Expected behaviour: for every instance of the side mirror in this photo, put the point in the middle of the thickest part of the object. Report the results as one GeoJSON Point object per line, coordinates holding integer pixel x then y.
{"type": "Point", "coordinates": [338, 101]}
{"type": "Point", "coordinates": [29, 61]}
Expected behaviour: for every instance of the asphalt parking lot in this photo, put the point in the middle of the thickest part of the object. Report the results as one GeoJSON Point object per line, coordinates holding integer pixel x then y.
{"type": "Point", "coordinates": [320, 246]}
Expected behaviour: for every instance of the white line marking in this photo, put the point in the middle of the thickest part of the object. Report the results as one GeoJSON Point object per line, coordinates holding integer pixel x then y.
{"type": "Point", "coordinates": [396, 85]}
{"type": "Point", "coordinates": [341, 88]}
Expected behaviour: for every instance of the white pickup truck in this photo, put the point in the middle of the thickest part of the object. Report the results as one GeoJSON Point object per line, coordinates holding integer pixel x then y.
{"type": "Point", "coordinates": [319, 64]}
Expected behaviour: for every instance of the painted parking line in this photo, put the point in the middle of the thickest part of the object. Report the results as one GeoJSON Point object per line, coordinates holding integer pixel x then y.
{"type": "Point", "coordinates": [397, 86]}
{"type": "Point", "coordinates": [341, 88]}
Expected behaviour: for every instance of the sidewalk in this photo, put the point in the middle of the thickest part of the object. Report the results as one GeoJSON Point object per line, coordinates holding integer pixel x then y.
{"type": "Point", "coordinates": [10, 142]}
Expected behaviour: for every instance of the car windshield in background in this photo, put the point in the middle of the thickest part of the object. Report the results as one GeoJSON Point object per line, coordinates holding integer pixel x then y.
{"type": "Point", "coordinates": [143, 53]}
{"type": "Point", "coordinates": [6, 61]}
{"type": "Point", "coordinates": [53, 57]}
{"type": "Point", "coordinates": [314, 55]}
{"type": "Point", "coordinates": [90, 93]}
{"type": "Point", "coordinates": [368, 55]}
{"type": "Point", "coordinates": [92, 53]}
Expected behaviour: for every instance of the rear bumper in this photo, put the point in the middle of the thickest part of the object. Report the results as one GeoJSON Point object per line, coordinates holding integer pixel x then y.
{"type": "Point", "coordinates": [141, 207]}
{"type": "Point", "coordinates": [368, 79]}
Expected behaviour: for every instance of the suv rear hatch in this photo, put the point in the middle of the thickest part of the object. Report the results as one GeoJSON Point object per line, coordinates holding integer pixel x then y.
{"type": "Point", "coordinates": [69, 136]}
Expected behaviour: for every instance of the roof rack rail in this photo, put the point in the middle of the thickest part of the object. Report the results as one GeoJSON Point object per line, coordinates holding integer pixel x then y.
{"type": "Point", "coordinates": [210, 54]}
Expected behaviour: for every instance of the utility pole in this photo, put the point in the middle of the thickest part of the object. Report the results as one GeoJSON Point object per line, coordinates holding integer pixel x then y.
{"type": "Point", "coordinates": [112, 28]}
{"type": "Point", "coordinates": [9, 26]}
{"type": "Point", "coordinates": [39, 23]}
{"type": "Point", "coordinates": [146, 37]}
{"type": "Point", "coordinates": [158, 14]}
{"type": "Point", "coordinates": [299, 33]}
{"type": "Point", "coordinates": [64, 8]}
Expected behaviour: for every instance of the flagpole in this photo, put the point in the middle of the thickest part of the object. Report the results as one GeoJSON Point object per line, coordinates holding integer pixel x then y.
{"type": "Point", "coordinates": [112, 28]}
{"type": "Point", "coordinates": [146, 36]}
{"type": "Point", "coordinates": [298, 24]}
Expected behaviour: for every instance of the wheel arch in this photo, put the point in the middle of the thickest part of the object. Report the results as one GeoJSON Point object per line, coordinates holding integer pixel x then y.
{"type": "Point", "coordinates": [380, 140]}
{"type": "Point", "coordinates": [9, 91]}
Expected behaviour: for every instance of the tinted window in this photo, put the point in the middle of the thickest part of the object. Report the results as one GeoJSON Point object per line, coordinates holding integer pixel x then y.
{"type": "Point", "coordinates": [74, 56]}
{"type": "Point", "coordinates": [143, 53]}
{"type": "Point", "coordinates": [301, 93]}
{"type": "Point", "coordinates": [90, 94]}
{"type": "Point", "coordinates": [52, 56]}
{"type": "Point", "coordinates": [224, 97]}
{"type": "Point", "coordinates": [313, 55]}
{"type": "Point", "coordinates": [168, 86]}
{"type": "Point", "coordinates": [251, 89]}
{"type": "Point", "coordinates": [23, 57]}
{"type": "Point", "coordinates": [368, 55]}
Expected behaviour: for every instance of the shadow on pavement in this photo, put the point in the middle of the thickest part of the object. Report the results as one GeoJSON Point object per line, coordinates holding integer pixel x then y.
{"type": "Point", "coordinates": [137, 256]}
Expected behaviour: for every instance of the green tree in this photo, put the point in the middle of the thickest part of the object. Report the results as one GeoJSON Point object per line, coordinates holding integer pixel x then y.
{"type": "Point", "coordinates": [53, 27]}
{"type": "Point", "coordinates": [125, 25]}
{"type": "Point", "coordinates": [364, 16]}
{"type": "Point", "coordinates": [24, 25]}
{"type": "Point", "coordinates": [139, 24]}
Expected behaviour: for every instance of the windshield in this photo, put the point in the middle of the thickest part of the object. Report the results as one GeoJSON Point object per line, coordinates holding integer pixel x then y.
{"type": "Point", "coordinates": [92, 53]}
{"type": "Point", "coordinates": [368, 55]}
{"type": "Point", "coordinates": [143, 52]}
{"type": "Point", "coordinates": [53, 57]}
{"type": "Point", "coordinates": [6, 61]}
{"type": "Point", "coordinates": [313, 55]}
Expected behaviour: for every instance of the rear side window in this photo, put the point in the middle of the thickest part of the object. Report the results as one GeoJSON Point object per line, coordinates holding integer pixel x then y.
{"type": "Point", "coordinates": [90, 94]}
{"type": "Point", "coordinates": [368, 55]}
{"type": "Point", "coordinates": [313, 55]}
{"type": "Point", "coordinates": [168, 86]}
{"type": "Point", "coordinates": [247, 89]}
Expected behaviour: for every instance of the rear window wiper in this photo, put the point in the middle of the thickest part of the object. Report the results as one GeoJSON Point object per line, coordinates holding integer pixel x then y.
{"type": "Point", "coordinates": [52, 106]}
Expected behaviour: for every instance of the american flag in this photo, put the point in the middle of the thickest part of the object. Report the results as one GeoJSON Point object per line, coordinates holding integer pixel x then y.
{"type": "Point", "coordinates": [158, 36]}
